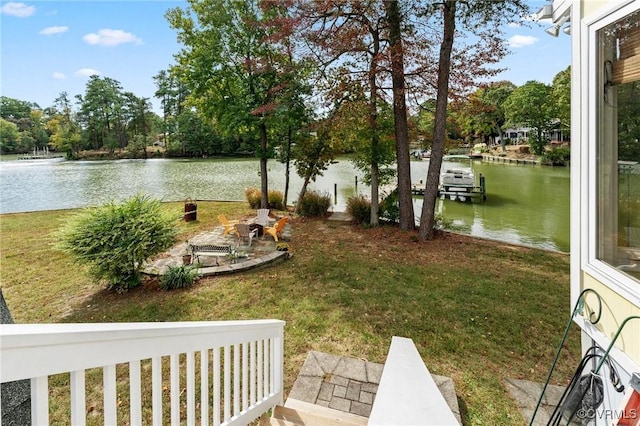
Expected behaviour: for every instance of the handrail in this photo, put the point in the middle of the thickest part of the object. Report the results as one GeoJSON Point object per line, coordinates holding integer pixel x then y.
{"type": "Point", "coordinates": [244, 364]}
{"type": "Point", "coordinates": [579, 306]}
{"type": "Point", "coordinates": [407, 394]}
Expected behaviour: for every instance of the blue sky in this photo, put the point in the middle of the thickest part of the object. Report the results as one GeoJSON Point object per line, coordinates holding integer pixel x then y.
{"type": "Point", "coordinates": [47, 47]}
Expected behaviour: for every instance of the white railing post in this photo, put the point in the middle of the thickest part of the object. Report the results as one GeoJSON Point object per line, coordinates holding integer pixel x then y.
{"type": "Point", "coordinates": [245, 377]}
{"type": "Point", "coordinates": [40, 400]}
{"type": "Point", "coordinates": [191, 389]}
{"type": "Point", "coordinates": [204, 388]}
{"type": "Point", "coordinates": [174, 361]}
{"type": "Point", "coordinates": [110, 398]}
{"type": "Point", "coordinates": [135, 393]}
{"type": "Point", "coordinates": [227, 382]}
{"type": "Point", "coordinates": [78, 403]}
{"type": "Point", "coordinates": [259, 381]}
{"type": "Point", "coordinates": [216, 386]}
{"type": "Point", "coordinates": [156, 390]}
{"type": "Point", "coordinates": [236, 379]}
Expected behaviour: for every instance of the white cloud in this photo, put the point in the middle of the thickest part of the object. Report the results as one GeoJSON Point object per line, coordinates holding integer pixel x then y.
{"type": "Point", "coordinates": [20, 10]}
{"type": "Point", "coordinates": [522, 40]}
{"type": "Point", "coordinates": [109, 37]}
{"type": "Point", "coordinates": [514, 24]}
{"type": "Point", "coordinates": [87, 72]}
{"type": "Point", "coordinates": [54, 30]}
{"type": "Point", "coordinates": [58, 76]}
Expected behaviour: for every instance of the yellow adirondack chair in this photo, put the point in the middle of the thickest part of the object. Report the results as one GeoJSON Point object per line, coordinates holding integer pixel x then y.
{"type": "Point", "coordinates": [277, 228]}
{"type": "Point", "coordinates": [228, 224]}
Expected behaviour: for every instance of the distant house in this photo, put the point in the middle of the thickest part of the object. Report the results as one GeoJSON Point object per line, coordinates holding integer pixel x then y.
{"type": "Point", "coordinates": [520, 134]}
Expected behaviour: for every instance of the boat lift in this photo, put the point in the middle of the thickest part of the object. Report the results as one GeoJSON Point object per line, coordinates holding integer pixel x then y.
{"type": "Point", "coordinates": [457, 183]}
{"type": "Point", "coordinates": [459, 193]}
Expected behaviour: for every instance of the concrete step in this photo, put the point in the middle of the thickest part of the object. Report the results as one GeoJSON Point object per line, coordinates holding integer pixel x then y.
{"type": "Point", "coordinates": [300, 413]}
{"type": "Point", "coordinates": [266, 420]}
{"type": "Point", "coordinates": [305, 413]}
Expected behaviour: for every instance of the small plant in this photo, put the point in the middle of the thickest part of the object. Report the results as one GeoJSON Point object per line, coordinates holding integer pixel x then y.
{"type": "Point", "coordinates": [359, 208]}
{"type": "Point", "coordinates": [276, 200]}
{"type": "Point", "coordinates": [179, 277]}
{"type": "Point", "coordinates": [314, 204]}
{"type": "Point", "coordinates": [390, 207]}
{"type": "Point", "coordinates": [253, 197]}
{"type": "Point", "coordinates": [558, 156]}
{"type": "Point", "coordinates": [282, 247]}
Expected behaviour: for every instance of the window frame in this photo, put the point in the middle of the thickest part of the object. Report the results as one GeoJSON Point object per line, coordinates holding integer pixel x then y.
{"type": "Point", "coordinates": [604, 272]}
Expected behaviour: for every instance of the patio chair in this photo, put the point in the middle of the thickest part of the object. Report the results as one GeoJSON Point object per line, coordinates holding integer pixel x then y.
{"type": "Point", "coordinates": [262, 218]}
{"type": "Point", "coordinates": [245, 233]}
{"type": "Point", "coordinates": [277, 228]}
{"type": "Point", "coordinates": [228, 225]}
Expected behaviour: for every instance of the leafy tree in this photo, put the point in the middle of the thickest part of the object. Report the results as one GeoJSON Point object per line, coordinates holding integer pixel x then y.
{"type": "Point", "coordinates": [10, 136]}
{"type": "Point", "coordinates": [350, 44]}
{"type": "Point", "coordinates": [482, 114]}
{"type": "Point", "coordinates": [313, 154]}
{"type": "Point", "coordinates": [28, 118]}
{"type": "Point", "coordinates": [482, 19]}
{"type": "Point", "coordinates": [232, 67]}
{"type": "Point", "coordinates": [196, 134]}
{"type": "Point", "coordinates": [173, 94]}
{"type": "Point", "coordinates": [531, 104]}
{"type": "Point", "coordinates": [401, 126]}
{"type": "Point", "coordinates": [65, 132]}
{"type": "Point", "coordinates": [561, 97]}
{"type": "Point", "coordinates": [116, 239]}
{"type": "Point", "coordinates": [13, 109]}
{"type": "Point", "coordinates": [100, 111]}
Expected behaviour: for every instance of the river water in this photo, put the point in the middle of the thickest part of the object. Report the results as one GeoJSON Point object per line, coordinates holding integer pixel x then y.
{"type": "Point", "coordinates": [525, 204]}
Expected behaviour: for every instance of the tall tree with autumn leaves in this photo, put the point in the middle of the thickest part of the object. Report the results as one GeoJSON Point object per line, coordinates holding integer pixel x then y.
{"type": "Point", "coordinates": [234, 66]}
{"type": "Point", "coordinates": [483, 19]}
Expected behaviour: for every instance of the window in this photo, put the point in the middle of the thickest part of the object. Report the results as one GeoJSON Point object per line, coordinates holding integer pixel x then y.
{"type": "Point", "coordinates": [617, 149]}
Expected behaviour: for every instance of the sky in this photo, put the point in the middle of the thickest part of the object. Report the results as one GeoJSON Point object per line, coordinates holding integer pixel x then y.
{"type": "Point", "coordinates": [49, 46]}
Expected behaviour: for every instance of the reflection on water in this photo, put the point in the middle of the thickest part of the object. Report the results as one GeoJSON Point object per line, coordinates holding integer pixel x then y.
{"type": "Point", "coordinates": [525, 204]}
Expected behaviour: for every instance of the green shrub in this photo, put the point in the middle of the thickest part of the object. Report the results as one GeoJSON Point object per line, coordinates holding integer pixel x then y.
{"type": "Point", "coordinates": [253, 197]}
{"type": "Point", "coordinates": [359, 208]}
{"type": "Point", "coordinates": [176, 277]}
{"type": "Point", "coordinates": [314, 204]}
{"type": "Point", "coordinates": [390, 207]}
{"type": "Point", "coordinates": [117, 239]}
{"type": "Point", "coordinates": [276, 200]}
{"type": "Point", "coordinates": [560, 156]}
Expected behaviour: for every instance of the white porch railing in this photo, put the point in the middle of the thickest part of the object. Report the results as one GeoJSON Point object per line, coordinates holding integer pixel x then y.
{"type": "Point", "coordinates": [223, 372]}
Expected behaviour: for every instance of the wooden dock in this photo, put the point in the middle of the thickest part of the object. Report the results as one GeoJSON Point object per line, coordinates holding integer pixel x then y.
{"type": "Point", "coordinates": [498, 159]}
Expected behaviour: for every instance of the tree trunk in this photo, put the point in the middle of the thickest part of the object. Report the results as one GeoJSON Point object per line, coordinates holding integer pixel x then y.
{"type": "Point", "coordinates": [287, 165]}
{"type": "Point", "coordinates": [303, 191]}
{"type": "Point", "coordinates": [427, 218]}
{"type": "Point", "coordinates": [405, 198]}
{"type": "Point", "coordinates": [375, 139]}
{"type": "Point", "coordinates": [501, 136]}
{"type": "Point", "coordinates": [264, 185]}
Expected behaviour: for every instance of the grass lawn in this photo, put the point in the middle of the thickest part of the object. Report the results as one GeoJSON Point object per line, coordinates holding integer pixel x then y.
{"type": "Point", "coordinates": [478, 311]}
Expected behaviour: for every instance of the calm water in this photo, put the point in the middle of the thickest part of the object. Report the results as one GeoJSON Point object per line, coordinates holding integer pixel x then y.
{"type": "Point", "coordinates": [525, 204]}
